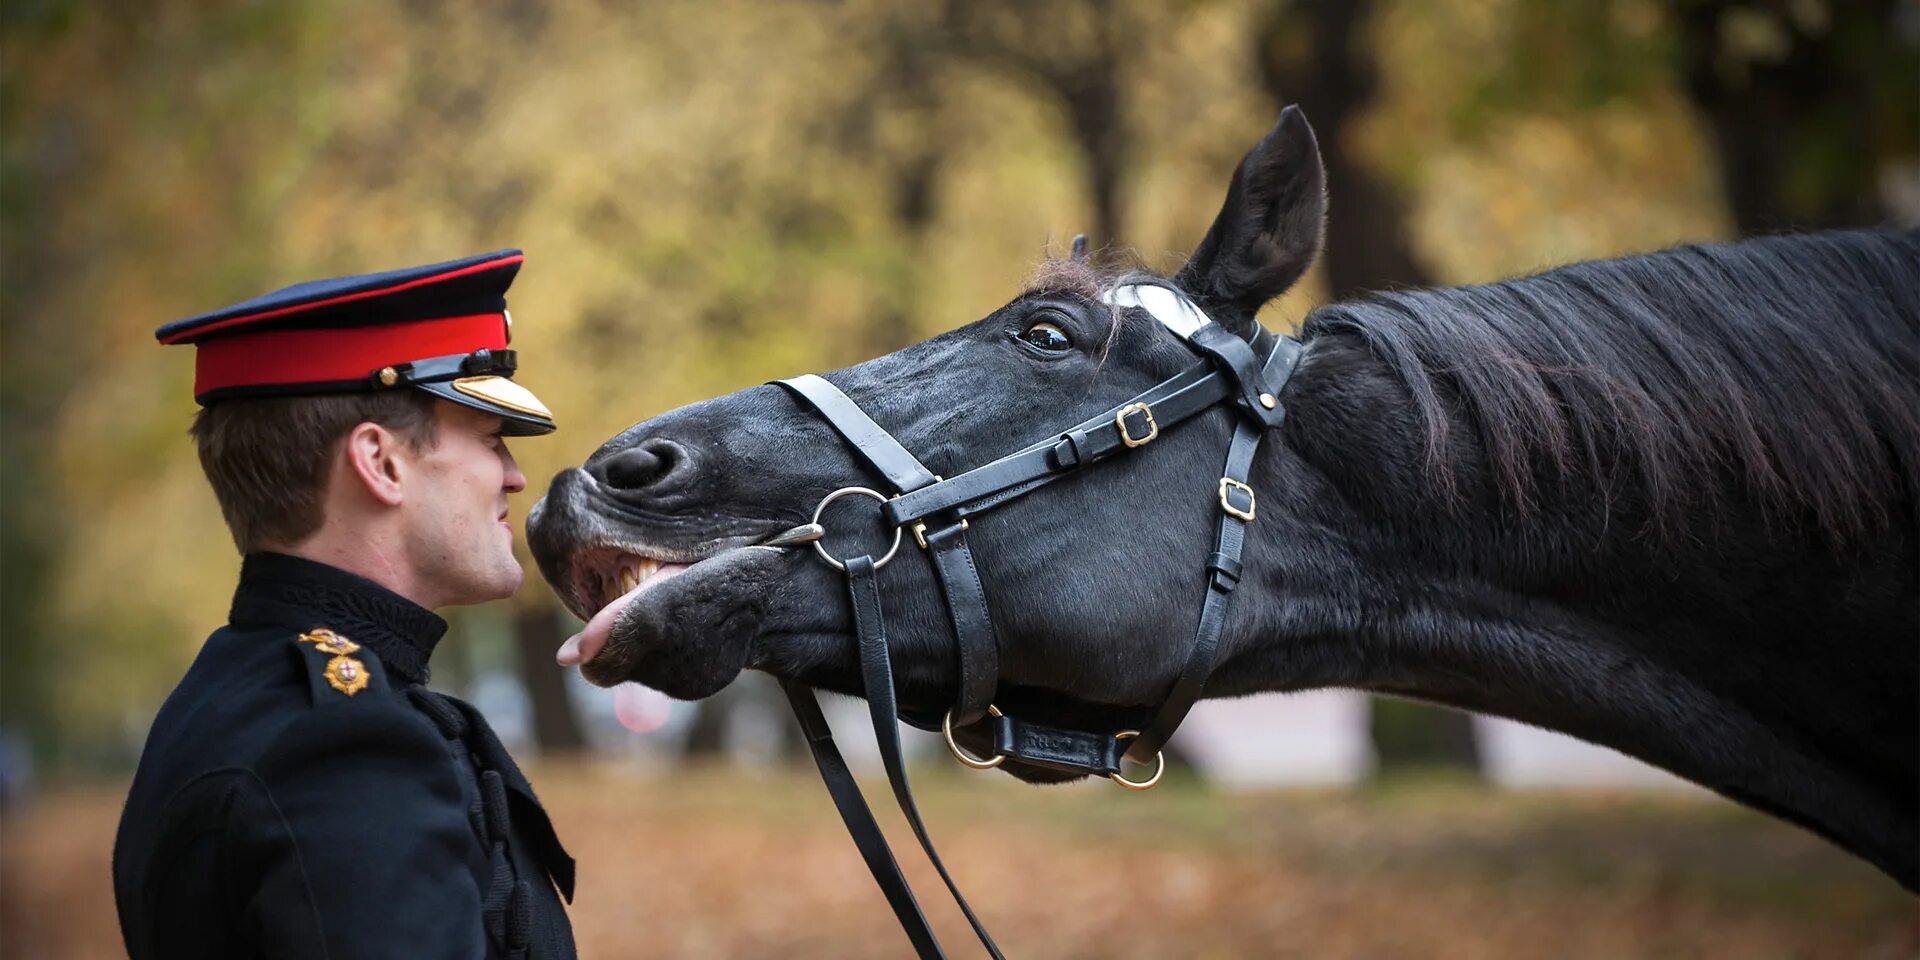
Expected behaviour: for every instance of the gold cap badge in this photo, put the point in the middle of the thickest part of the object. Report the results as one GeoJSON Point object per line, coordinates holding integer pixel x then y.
{"type": "Point", "coordinates": [347, 675]}
{"type": "Point", "coordinates": [326, 641]}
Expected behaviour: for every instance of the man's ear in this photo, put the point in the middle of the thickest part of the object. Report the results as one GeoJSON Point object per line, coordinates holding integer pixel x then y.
{"type": "Point", "coordinates": [375, 460]}
{"type": "Point", "coordinates": [1269, 231]}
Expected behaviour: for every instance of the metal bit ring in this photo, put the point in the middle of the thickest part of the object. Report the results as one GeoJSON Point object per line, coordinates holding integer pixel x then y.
{"type": "Point", "coordinates": [837, 494]}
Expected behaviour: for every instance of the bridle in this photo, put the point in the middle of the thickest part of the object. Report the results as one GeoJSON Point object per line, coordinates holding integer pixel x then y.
{"type": "Point", "coordinates": [1245, 375]}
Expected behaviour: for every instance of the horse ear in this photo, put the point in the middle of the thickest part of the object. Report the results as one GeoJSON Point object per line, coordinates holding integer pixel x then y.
{"type": "Point", "coordinates": [1079, 248]}
{"type": "Point", "coordinates": [1270, 229]}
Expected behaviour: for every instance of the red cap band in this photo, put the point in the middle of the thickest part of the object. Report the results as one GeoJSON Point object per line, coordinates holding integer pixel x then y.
{"type": "Point", "coordinates": [337, 354]}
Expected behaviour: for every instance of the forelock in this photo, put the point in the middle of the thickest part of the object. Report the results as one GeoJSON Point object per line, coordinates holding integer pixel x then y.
{"type": "Point", "coordinates": [1057, 275]}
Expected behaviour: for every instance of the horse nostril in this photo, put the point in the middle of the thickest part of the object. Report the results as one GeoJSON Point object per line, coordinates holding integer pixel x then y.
{"type": "Point", "coordinates": [645, 465]}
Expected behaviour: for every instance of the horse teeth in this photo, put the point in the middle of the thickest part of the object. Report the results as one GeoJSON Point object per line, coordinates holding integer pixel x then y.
{"type": "Point", "coordinates": [631, 572]}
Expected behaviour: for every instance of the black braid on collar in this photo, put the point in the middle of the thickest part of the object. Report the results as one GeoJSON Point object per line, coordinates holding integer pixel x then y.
{"type": "Point", "coordinates": [303, 594]}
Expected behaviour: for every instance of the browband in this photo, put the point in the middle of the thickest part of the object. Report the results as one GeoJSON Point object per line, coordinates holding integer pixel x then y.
{"type": "Point", "coordinates": [1163, 303]}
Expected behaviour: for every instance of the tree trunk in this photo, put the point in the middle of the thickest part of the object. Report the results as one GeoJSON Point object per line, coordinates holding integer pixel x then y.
{"type": "Point", "coordinates": [1794, 127]}
{"type": "Point", "coordinates": [1081, 70]}
{"type": "Point", "coordinates": [536, 636]}
{"type": "Point", "coordinates": [1093, 101]}
{"type": "Point", "coordinates": [707, 739]}
{"type": "Point", "coordinates": [1334, 81]}
{"type": "Point", "coordinates": [1332, 78]}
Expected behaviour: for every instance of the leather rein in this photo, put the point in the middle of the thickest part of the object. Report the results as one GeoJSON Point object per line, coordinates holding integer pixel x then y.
{"type": "Point", "coordinates": [937, 511]}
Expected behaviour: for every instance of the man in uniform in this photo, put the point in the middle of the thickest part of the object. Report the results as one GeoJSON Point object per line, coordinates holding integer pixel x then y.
{"type": "Point", "coordinates": [302, 793]}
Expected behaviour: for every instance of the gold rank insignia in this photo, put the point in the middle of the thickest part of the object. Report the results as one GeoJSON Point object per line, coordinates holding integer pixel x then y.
{"type": "Point", "coordinates": [347, 675]}
{"type": "Point", "coordinates": [326, 641]}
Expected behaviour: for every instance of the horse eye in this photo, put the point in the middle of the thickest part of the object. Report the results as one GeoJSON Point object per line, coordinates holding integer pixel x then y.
{"type": "Point", "coordinates": [1046, 336]}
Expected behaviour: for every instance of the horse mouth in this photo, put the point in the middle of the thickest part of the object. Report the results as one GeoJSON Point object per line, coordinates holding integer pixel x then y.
{"type": "Point", "coordinates": [686, 629]}
{"type": "Point", "coordinates": [679, 619]}
{"type": "Point", "coordinates": [604, 574]}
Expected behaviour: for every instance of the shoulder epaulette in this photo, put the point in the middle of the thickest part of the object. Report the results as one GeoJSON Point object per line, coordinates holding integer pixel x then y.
{"type": "Point", "coordinates": [334, 673]}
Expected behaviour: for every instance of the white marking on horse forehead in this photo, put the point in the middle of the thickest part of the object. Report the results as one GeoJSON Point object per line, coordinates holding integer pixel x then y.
{"type": "Point", "coordinates": [1174, 311]}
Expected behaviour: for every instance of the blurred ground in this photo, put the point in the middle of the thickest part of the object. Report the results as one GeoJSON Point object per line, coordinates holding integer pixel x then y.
{"type": "Point", "coordinates": [719, 863]}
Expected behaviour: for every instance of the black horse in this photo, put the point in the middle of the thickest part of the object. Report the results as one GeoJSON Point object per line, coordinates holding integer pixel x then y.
{"type": "Point", "coordinates": [1665, 503]}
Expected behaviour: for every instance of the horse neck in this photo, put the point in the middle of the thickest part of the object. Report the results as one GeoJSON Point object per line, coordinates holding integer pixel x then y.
{"type": "Point", "coordinates": [1574, 619]}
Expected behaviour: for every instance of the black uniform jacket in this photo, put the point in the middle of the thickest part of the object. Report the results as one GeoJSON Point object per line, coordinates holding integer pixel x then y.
{"type": "Point", "coordinates": [303, 795]}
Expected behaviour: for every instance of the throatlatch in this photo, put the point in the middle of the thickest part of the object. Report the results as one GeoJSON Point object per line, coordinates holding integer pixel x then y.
{"type": "Point", "coordinates": [1247, 375]}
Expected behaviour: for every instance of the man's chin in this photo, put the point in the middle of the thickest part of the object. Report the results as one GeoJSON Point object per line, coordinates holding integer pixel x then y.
{"type": "Point", "coordinates": [508, 582]}
{"type": "Point", "coordinates": [486, 587]}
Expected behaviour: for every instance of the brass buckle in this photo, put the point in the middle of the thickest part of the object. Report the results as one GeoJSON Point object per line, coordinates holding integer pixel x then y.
{"type": "Point", "coordinates": [1126, 436]}
{"type": "Point", "coordinates": [920, 526]}
{"type": "Point", "coordinates": [1229, 484]}
{"type": "Point", "coordinates": [920, 531]}
{"type": "Point", "coordinates": [1159, 766]}
{"type": "Point", "coordinates": [946, 728]}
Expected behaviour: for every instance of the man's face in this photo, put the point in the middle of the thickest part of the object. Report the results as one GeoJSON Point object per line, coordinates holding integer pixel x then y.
{"type": "Point", "coordinates": [458, 538]}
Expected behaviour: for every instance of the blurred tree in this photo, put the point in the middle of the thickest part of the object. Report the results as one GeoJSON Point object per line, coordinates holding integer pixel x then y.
{"type": "Point", "coordinates": [1077, 55]}
{"type": "Point", "coordinates": [537, 635]}
{"type": "Point", "coordinates": [115, 595]}
{"type": "Point", "coordinates": [38, 376]}
{"type": "Point", "coordinates": [1312, 52]}
{"type": "Point", "coordinates": [893, 120]}
{"type": "Point", "coordinates": [1807, 103]}
{"type": "Point", "coordinates": [720, 715]}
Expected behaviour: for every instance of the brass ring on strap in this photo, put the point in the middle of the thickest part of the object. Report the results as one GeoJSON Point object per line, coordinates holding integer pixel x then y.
{"type": "Point", "coordinates": [845, 492]}
{"type": "Point", "coordinates": [1159, 766]}
{"type": "Point", "coordinates": [946, 729]}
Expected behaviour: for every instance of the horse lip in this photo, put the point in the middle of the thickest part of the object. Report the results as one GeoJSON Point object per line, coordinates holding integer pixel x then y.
{"type": "Point", "coordinates": [664, 637]}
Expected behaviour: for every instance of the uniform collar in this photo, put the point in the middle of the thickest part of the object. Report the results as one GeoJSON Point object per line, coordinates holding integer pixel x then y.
{"type": "Point", "coordinates": [279, 589]}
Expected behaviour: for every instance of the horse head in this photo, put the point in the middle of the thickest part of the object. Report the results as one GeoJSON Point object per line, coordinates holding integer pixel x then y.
{"type": "Point", "coordinates": [1089, 582]}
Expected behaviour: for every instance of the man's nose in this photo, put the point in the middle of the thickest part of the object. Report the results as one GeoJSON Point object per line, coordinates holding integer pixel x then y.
{"type": "Point", "coordinates": [514, 481]}
{"type": "Point", "coordinates": [651, 467]}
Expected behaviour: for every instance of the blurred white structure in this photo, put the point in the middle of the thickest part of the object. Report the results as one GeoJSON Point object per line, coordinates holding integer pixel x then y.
{"type": "Point", "coordinates": [1321, 737]}
{"type": "Point", "coordinates": [1517, 755]}
{"type": "Point", "coordinates": [1318, 738]}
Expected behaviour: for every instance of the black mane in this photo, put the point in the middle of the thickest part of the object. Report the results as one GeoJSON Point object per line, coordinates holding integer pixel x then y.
{"type": "Point", "coordinates": [1791, 363]}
